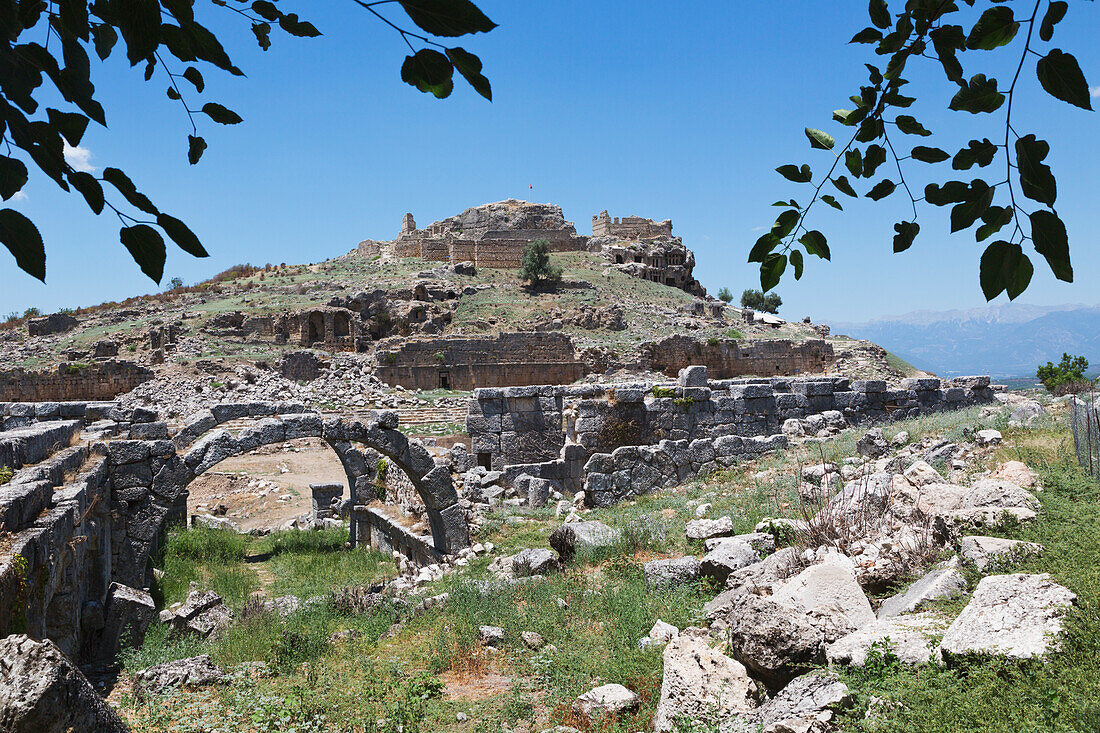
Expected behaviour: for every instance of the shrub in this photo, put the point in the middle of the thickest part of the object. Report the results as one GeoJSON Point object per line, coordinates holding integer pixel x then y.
{"type": "Point", "coordinates": [31, 312]}
{"type": "Point", "coordinates": [725, 295]}
{"type": "Point", "coordinates": [1070, 372]}
{"type": "Point", "coordinates": [659, 391]}
{"type": "Point", "coordinates": [6, 473]}
{"type": "Point", "coordinates": [535, 267]}
{"type": "Point", "coordinates": [758, 301]}
{"type": "Point", "coordinates": [733, 333]}
{"type": "Point", "coordinates": [175, 283]}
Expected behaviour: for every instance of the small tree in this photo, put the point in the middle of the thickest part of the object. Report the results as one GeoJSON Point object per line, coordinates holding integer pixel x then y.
{"type": "Point", "coordinates": [725, 295]}
{"type": "Point", "coordinates": [174, 283]}
{"type": "Point", "coordinates": [535, 267]}
{"type": "Point", "coordinates": [1068, 376]}
{"type": "Point", "coordinates": [757, 301]}
{"type": "Point", "coordinates": [31, 312]}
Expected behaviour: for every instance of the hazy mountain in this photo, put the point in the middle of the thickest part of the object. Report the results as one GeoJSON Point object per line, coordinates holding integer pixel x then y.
{"type": "Point", "coordinates": [1003, 340]}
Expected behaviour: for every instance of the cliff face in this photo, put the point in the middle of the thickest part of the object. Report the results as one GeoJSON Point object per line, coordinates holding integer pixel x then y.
{"type": "Point", "coordinates": [511, 215]}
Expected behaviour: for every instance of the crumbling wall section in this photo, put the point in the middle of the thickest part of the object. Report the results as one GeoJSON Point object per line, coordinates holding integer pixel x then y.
{"type": "Point", "coordinates": [727, 358]}
{"type": "Point", "coordinates": [98, 381]}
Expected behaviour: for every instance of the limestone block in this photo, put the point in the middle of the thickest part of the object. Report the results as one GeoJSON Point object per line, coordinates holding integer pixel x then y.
{"type": "Point", "coordinates": [943, 581]}
{"type": "Point", "coordinates": [985, 552]}
{"type": "Point", "coordinates": [908, 639]}
{"type": "Point", "coordinates": [127, 451]}
{"type": "Point", "coordinates": [189, 673]}
{"type": "Point", "coordinates": [700, 686]}
{"type": "Point", "coordinates": [604, 701]}
{"type": "Point", "coordinates": [671, 572]}
{"type": "Point", "coordinates": [229, 411]}
{"type": "Point", "coordinates": [304, 425]}
{"type": "Point", "coordinates": [702, 529]}
{"type": "Point", "coordinates": [727, 557]}
{"type": "Point", "coordinates": [693, 376]}
{"type": "Point", "coordinates": [572, 537]}
{"type": "Point", "coordinates": [128, 612]}
{"type": "Point", "coordinates": [828, 584]}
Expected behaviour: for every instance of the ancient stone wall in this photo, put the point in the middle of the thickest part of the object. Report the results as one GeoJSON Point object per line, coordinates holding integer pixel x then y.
{"type": "Point", "coordinates": [728, 358]}
{"type": "Point", "coordinates": [97, 381]}
{"type": "Point", "coordinates": [629, 227]}
{"type": "Point", "coordinates": [509, 359]}
{"type": "Point", "coordinates": [53, 323]}
{"type": "Point", "coordinates": [531, 425]}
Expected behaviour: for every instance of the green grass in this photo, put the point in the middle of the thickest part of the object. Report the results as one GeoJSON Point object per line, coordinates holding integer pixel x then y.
{"type": "Point", "coordinates": [901, 365]}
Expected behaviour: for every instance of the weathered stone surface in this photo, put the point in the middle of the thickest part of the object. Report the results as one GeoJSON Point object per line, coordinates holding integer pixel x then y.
{"type": "Point", "coordinates": [984, 552]}
{"type": "Point", "coordinates": [538, 561]}
{"type": "Point", "coordinates": [572, 537]}
{"type": "Point", "coordinates": [727, 557]}
{"type": "Point", "coordinates": [828, 585]}
{"type": "Point", "coordinates": [806, 705]}
{"type": "Point", "coordinates": [989, 437]}
{"type": "Point", "coordinates": [986, 502]}
{"type": "Point", "coordinates": [774, 641]}
{"type": "Point", "coordinates": [908, 636]}
{"type": "Point", "coordinates": [872, 444]}
{"type": "Point", "coordinates": [128, 612]}
{"type": "Point", "coordinates": [693, 376]}
{"type": "Point", "coordinates": [755, 578]}
{"type": "Point", "coordinates": [700, 687]}
{"type": "Point", "coordinates": [702, 529]}
{"type": "Point", "coordinates": [490, 635]}
{"type": "Point", "coordinates": [203, 613]}
{"type": "Point", "coordinates": [604, 700]}
{"type": "Point", "coordinates": [671, 572]}
{"type": "Point", "coordinates": [1018, 473]}
{"type": "Point", "coordinates": [187, 673]}
{"type": "Point", "coordinates": [944, 581]}
{"type": "Point", "coordinates": [921, 473]}
{"type": "Point", "coordinates": [1017, 616]}
{"type": "Point", "coordinates": [41, 691]}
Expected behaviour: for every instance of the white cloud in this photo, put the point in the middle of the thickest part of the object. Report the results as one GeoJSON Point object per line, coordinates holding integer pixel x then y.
{"type": "Point", "coordinates": [1094, 91]}
{"type": "Point", "coordinates": [79, 158]}
{"type": "Point", "coordinates": [757, 229]}
{"type": "Point", "coordinates": [18, 196]}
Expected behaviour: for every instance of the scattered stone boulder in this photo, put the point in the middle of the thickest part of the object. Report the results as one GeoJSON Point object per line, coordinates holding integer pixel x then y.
{"type": "Point", "coordinates": [985, 552]}
{"type": "Point", "coordinates": [774, 641]}
{"type": "Point", "coordinates": [908, 637]}
{"type": "Point", "coordinates": [727, 557]}
{"type": "Point", "coordinates": [921, 473]}
{"type": "Point", "coordinates": [984, 503]}
{"type": "Point", "coordinates": [572, 537]}
{"type": "Point", "coordinates": [700, 687]}
{"type": "Point", "coordinates": [872, 444]}
{"type": "Point", "coordinates": [128, 612]}
{"type": "Point", "coordinates": [671, 572]}
{"type": "Point", "coordinates": [203, 613]}
{"type": "Point", "coordinates": [806, 705]}
{"type": "Point", "coordinates": [989, 437]}
{"type": "Point", "coordinates": [604, 700]}
{"type": "Point", "coordinates": [41, 691]}
{"type": "Point", "coordinates": [532, 640]}
{"type": "Point", "coordinates": [1016, 616]}
{"type": "Point", "coordinates": [538, 561]}
{"type": "Point", "coordinates": [491, 635]}
{"type": "Point", "coordinates": [702, 529]}
{"type": "Point", "coordinates": [661, 634]}
{"type": "Point", "coordinates": [1018, 473]}
{"type": "Point", "coordinates": [187, 673]}
{"type": "Point", "coordinates": [831, 586]}
{"type": "Point", "coordinates": [944, 581]}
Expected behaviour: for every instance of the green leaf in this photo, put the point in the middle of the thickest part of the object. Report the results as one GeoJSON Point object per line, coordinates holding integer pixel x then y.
{"type": "Point", "coordinates": [220, 114]}
{"type": "Point", "coordinates": [104, 37]}
{"type": "Point", "coordinates": [831, 201]}
{"type": "Point", "coordinates": [1036, 179]}
{"type": "Point", "coordinates": [949, 193]}
{"type": "Point", "coordinates": [173, 94]}
{"type": "Point", "coordinates": [906, 233]}
{"type": "Point", "coordinates": [929, 155]}
{"type": "Point", "coordinates": [819, 139]}
{"type": "Point", "coordinates": [815, 244]}
{"type": "Point", "coordinates": [872, 159]}
{"type": "Point", "coordinates": [873, 75]}
{"type": "Point", "coordinates": [796, 262]}
{"type": "Point", "coordinates": [785, 223]}
{"type": "Point", "coordinates": [979, 196]}
{"type": "Point", "coordinates": [429, 71]}
{"type": "Point", "coordinates": [469, 66]}
{"type": "Point", "coordinates": [995, 218]}
{"type": "Point", "coordinates": [996, 27]}
{"type": "Point", "coordinates": [1004, 267]}
{"type": "Point", "coordinates": [89, 188]}
{"type": "Point", "coordinates": [126, 187]}
{"type": "Point", "coordinates": [13, 176]}
{"type": "Point", "coordinates": [179, 233]}
{"type": "Point", "coordinates": [841, 182]}
{"type": "Point", "coordinates": [266, 10]}
{"type": "Point", "coordinates": [139, 22]}
{"type": "Point", "coordinates": [447, 17]}
{"type": "Point", "coordinates": [290, 23]}
{"type": "Point", "coordinates": [980, 152]}
{"type": "Point", "coordinates": [880, 14]}
{"type": "Point", "coordinates": [793, 173]}
{"type": "Point", "coordinates": [1049, 235]}
{"type": "Point", "coordinates": [763, 247]}
{"type": "Point", "coordinates": [146, 247]}
{"type": "Point", "coordinates": [870, 129]}
{"type": "Point", "coordinates": [21, 237]}
{"type": "Point", "coordinates": [867, 35]}
{"type": "Point", "coordinates": [1061, 76]}
{"type": "Point", "coordinates": [1055, 12]}
{"type": "Point", "coordinates": [195, 147]}
{"type": "Point", "coordinates": [193, 75]}
{"type": "Point", "coordinates": [854, 162]}
{"type": "Point", "coordinates": [788, 202]}
{"type": "Point", "coordinates": [71, 125]}
{"type": "Point", "coordinates": [909, 125]}
{"type": "Point", "coordinates": [881, 190]}
{"type": "Point", "coordinates": [771, 270]}
{"type": "Point", "coordinates": [947, 40]}
{"type": "Point", "coordinates": [976, 96]}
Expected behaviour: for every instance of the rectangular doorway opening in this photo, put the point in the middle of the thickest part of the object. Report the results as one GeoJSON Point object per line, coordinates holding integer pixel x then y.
{"type": "Point", "coordinates": [444, 380]}
{"type": "Point", "coordinates": [485, 460]}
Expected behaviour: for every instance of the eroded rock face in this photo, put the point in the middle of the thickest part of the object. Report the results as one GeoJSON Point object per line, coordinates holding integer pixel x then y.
{"type": "Point", "coordinates": [908, 638]}
{"type": "Point", "coordinates": [180, 673]}
{"type": "Point", "coordinates": [727, 557]}
{"type": "Point", "coordinates": [984, 503]}
{"type": "Point", "coordinates": [806, 705]}
{"type": "Point", "coordinates": [41, 691]}
{"type": "Point", "coordinates": [700, 686]}
{"type": "Point", "coordinates": [984, 552]}
{"type": "Point", "coordinates": [1016, 616]}
{"type": "Point", "coordinates": [774, 641]}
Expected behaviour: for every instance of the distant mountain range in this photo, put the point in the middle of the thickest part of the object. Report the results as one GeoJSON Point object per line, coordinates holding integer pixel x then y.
{"type": "Point", "coordinates": [1002, 340]}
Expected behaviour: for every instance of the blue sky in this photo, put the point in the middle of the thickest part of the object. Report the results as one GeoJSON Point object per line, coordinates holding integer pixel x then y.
{"type": "Point", "coordinates": [670, 110]}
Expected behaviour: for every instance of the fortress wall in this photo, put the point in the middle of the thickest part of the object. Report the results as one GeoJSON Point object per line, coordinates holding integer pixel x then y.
{"type": "Point", "coordinates": [73, 382]}
{"type": "Point", "coordinates": [728, 358]}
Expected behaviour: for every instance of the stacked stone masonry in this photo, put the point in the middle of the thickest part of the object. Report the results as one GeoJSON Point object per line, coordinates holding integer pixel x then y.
{"type": "Point", "coordinates": [98, 381]}
{"type": "Point", "coordinates": [508, 359]}
{"type": "Point", "coordinates": [546, 431]}
{"type": "Point", "coordinates": [727, 358]}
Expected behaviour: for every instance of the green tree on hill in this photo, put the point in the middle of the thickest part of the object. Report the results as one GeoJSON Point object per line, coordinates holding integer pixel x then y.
{"type": "Point", "coordinates": [536, 267]}
{"type": "Point", "coordinates": [1066, 377]}
{"type": "Point", "coordinates": [725, 295]}
{"type": "Point", "coordinates": [758, 301]}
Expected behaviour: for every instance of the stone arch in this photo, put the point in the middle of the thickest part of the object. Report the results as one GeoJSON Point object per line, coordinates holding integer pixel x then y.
{"type": "Point", "coordinates": [315, 327]}
{"type": "Point", "coordinates": [450, 532]}
{"type": "Point", "coordinates": [341, 325]}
